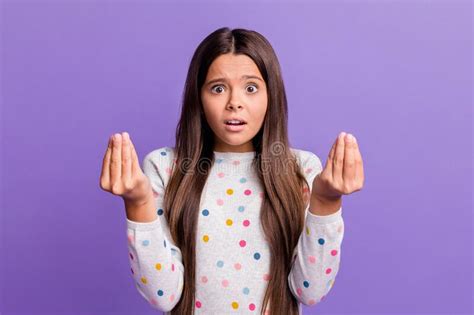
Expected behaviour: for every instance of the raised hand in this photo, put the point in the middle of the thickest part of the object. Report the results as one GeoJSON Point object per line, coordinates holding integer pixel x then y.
{"type": "Point", "coordinates": [121, 173]}
{"type": "Point", "coordinates": [343, 173]}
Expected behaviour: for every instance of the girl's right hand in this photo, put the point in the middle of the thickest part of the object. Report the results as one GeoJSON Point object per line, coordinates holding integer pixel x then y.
{"type": "Point", "coordinates": [121, 173]}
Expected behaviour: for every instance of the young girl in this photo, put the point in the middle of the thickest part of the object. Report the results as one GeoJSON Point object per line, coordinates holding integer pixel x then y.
{"type": "Point", "coordinates": [232, 220]}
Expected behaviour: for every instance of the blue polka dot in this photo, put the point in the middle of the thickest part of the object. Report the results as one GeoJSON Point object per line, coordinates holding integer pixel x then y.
{"type": "Point", "coordinates": [160, 292]}
{"type": "Point", "coordinates": [164, 242]}
{"type": "Point", "coordinates": [321, 241]}
{"type": "Point", "coordinates": [306, 284]}
{"type": "Point", "coordinates": [220, 264]}
{"type": "Point", "coordinates": [160, 211]}
{"type": "Point", "coordinates": [241, 209]}
{"type": "Point", "coordinates": [205, 212]}
{"type": "Point", "coordinates": [219, 160]}
{"type": "Point", "coordinates": [246, 291]}
{"type": "Point", "coordinates": [243, 180]}
{"type": "Point", "coordinates": [163, 153]}
{"type": "Point", "coordinates": [256, 256]}
{"type": "Point", "coordinates": [146, 242]}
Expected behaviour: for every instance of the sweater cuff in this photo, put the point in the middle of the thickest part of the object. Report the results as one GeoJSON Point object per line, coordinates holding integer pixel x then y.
{"type": "Point", "coordinates": [324, 219]}
{"type": "Point", "coordinates": [143, 226]}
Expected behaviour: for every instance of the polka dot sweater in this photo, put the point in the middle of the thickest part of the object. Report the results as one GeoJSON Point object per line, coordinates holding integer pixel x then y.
{"type": "Point", "coordinates": [232, 255]}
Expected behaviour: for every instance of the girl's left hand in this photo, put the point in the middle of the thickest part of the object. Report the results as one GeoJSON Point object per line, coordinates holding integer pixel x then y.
{"type": "Point", "coordinates": [344, 170]}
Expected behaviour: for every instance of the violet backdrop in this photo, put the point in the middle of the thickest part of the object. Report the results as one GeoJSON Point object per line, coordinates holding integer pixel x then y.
{"type": "Point", "coordinates": [396, 74]}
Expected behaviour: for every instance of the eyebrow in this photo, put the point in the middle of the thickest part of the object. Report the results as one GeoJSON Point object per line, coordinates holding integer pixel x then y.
{"type": "Point", "coordinates": [244, 77]}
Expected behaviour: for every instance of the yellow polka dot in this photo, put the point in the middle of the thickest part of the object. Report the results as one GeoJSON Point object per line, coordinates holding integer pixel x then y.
{"type": "Point", "coordinates": [307, 230]}
{"type": "Point", "coordinates": [228, 222]}
{"type": "Point", "coordinates": [235, 305]}
{"type": "Point", "coordinates": [230, 191]}
{"type": "Point", "coordinates": [158, 266]}
{"type": "Point", "coordinates": [143, 280]}
{"type": "Point", "coordinates": [205, 238]}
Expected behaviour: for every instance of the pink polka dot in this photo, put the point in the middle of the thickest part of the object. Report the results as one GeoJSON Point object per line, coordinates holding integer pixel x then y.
{"type": "Point", "coordinates": [236, 162]}
{"type": "Point", "coordinates": [153, 301]}
{"type": "Point", "coordinates": [225, 283]}
{"type": "Point", "coordinates": [334, 252]}
{"type": "Point", "coordinates": [155, 194]}
{"type": "Point", "coordinates": [168, 170]}
{"type": "Point", "coordinates": [312, 259]}
{"type": "Point", "coordinates": [247, 192]}
{"type": "Point", "coordinates": [308, 170]}
{"type": "Point", "coordinates": [172, 267]}
{"type": "Point", "coordinates": [251, 306]}
{"type": "Point", "coordinates": [171, 297]}
{"type": "Point", "coordinates": [242, 243]}
{"type": "Point", "coordinates": [220, 175]}
{"type": "Point", "coordinates": [220, 202]}
{"type": "Point", "coordinates": [299, 291]}
{"type": "Point", "coordinates": [130, 238]}
{"type": "Point", "coordinates": [266, 277]}
{"type": "Point", "coordinates": [237, 266]}
{"type": "Point", "coordinates": [198, 304]}
{"type": "Point", "coordinates": [312, 302]}
{"type": "Point", "coordinates": [204, 279]}
{"type": "Point", "coordinates": [328, 271]}
{"type": "Point", "coordinates": [246, 223]}
{"type": "Point", "coordinates": [261, 194]}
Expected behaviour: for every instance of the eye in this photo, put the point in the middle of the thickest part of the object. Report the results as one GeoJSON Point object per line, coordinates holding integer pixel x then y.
{"type": "Point", "coordinates": [219, 85]}
{"type": "Point", "coordinates": [253, 85]}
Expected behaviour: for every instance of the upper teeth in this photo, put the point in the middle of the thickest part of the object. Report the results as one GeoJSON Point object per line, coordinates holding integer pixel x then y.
{"type": "Point", "coordinates": [234, 121]}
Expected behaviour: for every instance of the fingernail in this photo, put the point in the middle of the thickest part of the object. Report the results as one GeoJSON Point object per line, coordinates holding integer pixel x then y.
{"type": "Point", "coordinates": [342, 135]}
{"type": "Point", "coordinates": [116, 136]}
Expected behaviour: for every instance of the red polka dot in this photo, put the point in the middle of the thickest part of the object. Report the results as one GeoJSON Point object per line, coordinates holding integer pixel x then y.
{"type": "Point", "coordinates": [198, 304]}
{"type": "Point", "coordinates": [246, 223]}
{"type": "Point", "coordinates": [328, 271]}
{"type": "Point", "coordinates": [220, 174]}
{"type": "Point", "coordinates": [172, 267]}
{"type": "Point", "coordinates": [247, 192]}
{"type": "Point", "coordinates": [237, 266]}
{"type": "Point", "coordinates": [242, 243]}
{"type": "Point", "coordinates": [299, 291]}
{"type": "Point", "coordinates": [334, 252]}
{"type": "Point", "coordinates": [204, 279]}
{"type": "Point", "coordinates": [266, 277]}
{"type": "Point", "coordinates": [251, 306]}
{"type": "Point", "coordinates": [225, 283]}
{"type": "Point", "coordinates": [312, 259]}
{"type": "Point", "coordinates": [171, 297]}
{"type": "Point", "coordinates": [153, 302]}
{"type": "Point", "coordinates": [311, 302]}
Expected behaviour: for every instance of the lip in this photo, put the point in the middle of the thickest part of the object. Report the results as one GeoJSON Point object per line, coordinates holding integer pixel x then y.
{"type": "Point", "coordinates": [234, 128]}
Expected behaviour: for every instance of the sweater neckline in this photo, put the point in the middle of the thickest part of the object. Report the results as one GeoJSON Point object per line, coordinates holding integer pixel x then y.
{"type": "Point", "coordinates": [249, 155]}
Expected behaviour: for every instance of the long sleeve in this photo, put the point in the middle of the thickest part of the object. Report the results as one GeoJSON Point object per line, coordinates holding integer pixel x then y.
{"type": "Point", "coordinates": [156, 262]}
{"type": "Point", "coordinates": [316, 258]}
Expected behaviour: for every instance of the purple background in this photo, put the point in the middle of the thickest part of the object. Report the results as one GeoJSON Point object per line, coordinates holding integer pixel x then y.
{"type": "Point", "coordinates": [396, 74]}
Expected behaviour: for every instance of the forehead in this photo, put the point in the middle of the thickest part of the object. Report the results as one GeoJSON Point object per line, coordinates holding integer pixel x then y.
{"type": "Point", "coordinates": [232, 67]}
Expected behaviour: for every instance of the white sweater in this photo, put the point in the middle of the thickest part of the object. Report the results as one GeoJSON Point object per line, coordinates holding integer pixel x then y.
{"type": "Point", "coordinates": [232, 255]}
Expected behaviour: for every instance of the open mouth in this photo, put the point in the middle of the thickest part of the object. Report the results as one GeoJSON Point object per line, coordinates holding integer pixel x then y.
{"type": "Point", "coordinates": [234, 122]}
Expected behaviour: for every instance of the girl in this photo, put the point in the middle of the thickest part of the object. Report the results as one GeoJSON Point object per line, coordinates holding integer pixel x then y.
{"type": "Point", "coordinates": [232, 220]}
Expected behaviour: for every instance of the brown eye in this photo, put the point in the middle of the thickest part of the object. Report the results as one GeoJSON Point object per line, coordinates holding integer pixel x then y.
{"type": "Point", "coordinates": [254, 86]}
{"type": "Point", "coordinates": [218, 86]}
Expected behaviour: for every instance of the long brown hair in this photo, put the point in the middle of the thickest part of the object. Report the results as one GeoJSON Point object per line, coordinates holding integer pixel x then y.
{"type": "Point", "coordinates": [285, 194]}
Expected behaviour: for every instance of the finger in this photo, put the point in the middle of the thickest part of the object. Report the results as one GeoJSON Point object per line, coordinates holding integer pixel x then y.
{"type": "Point", "coordinates": [105, 174]}
{"type": "Point", "coordinates": [359, 173]}
{"type": "Point", "coordinates": [116, 164]}
{"type": "Point", "coordinates": [126, 158]}
{"type": "Point", "coordinates": [338, 161]}
{"type": "Point", "coordinates": [135, 162]}
{"type": "Point", "coordinates": [349, 159]}
{"type": "Point", "coordinates": [329, 161]}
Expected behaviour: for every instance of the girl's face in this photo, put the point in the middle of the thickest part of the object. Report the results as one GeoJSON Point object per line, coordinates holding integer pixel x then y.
{"type": "Point", "coordinates": [234, 89]}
